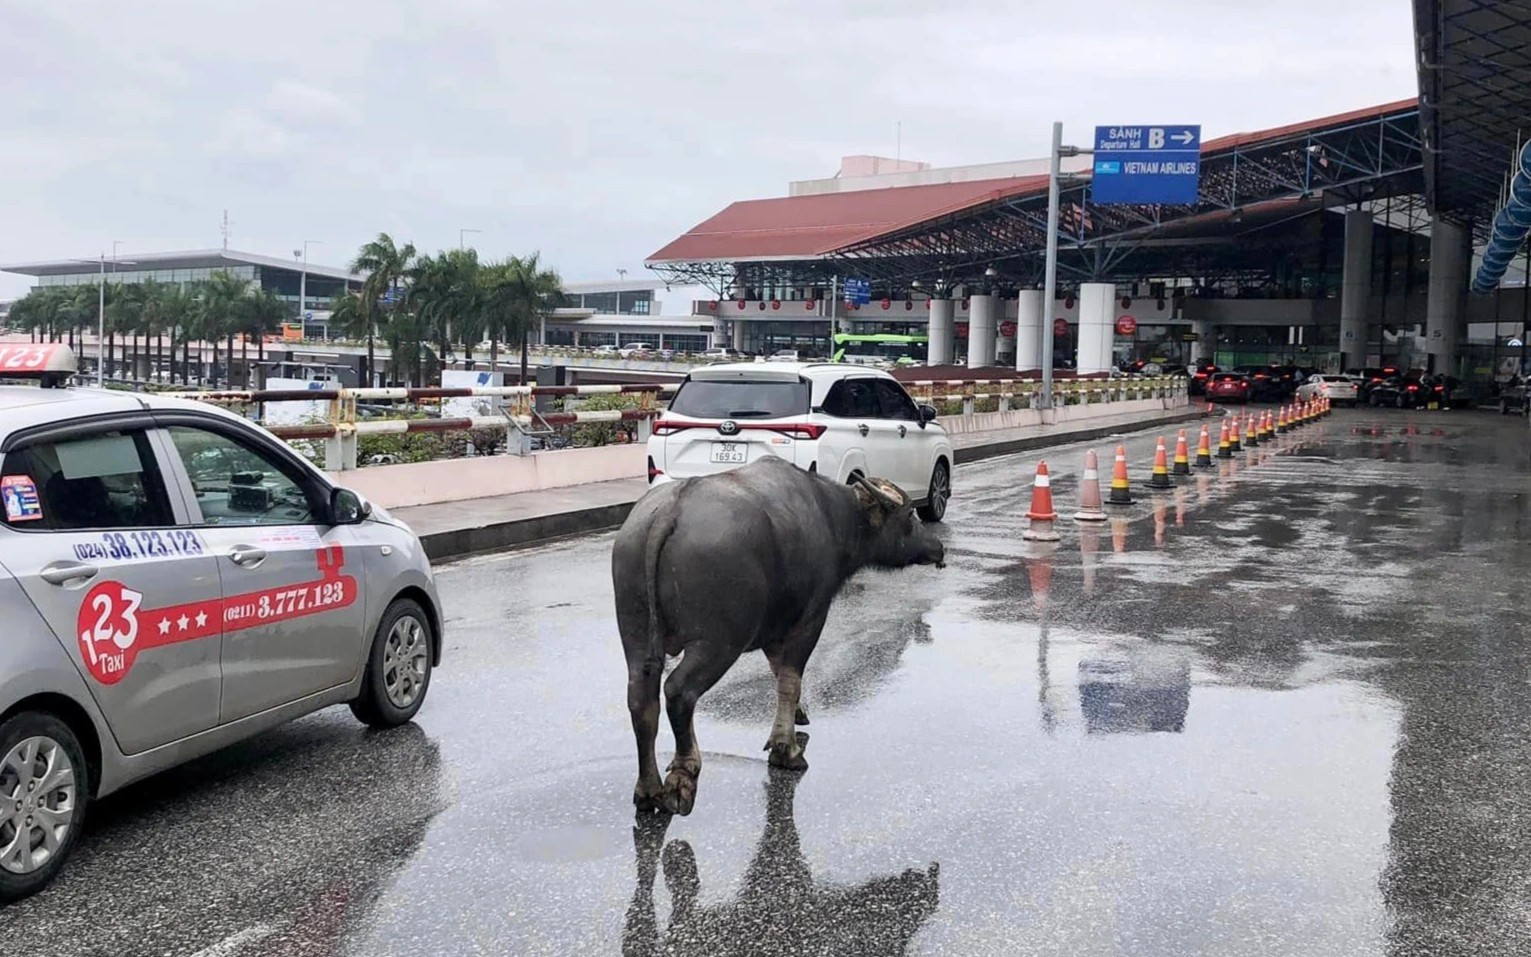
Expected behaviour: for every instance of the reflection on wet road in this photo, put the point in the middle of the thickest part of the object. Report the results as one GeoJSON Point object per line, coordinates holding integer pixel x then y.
{"type": "Point", "coordinates": [1280, 709]}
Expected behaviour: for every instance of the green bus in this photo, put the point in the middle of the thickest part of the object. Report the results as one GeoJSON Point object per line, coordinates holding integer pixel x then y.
{"type": "Point", "coordinates": [880, 349]}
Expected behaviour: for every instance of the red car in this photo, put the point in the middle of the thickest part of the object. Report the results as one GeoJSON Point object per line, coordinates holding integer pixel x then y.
{"type": "Point", "coordinates": [1229, 387]}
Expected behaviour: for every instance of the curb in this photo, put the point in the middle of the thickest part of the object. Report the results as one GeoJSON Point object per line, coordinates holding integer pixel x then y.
{"type": "Point", "coordinates": [459, 543]}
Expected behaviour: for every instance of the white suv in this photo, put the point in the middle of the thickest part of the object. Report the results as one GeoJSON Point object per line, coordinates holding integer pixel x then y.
{"type": "Point", "coordinates": [838, 420]}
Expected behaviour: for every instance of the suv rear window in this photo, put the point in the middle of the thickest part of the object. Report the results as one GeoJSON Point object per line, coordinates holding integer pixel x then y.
{"type": "Point", "coordinates": [741, 399]}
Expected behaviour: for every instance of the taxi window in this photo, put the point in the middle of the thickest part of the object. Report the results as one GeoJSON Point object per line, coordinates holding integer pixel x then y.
{"type": "Point", "coordinates": [106, 480]}
{"type": "Point", "coordinates": [237, 485]}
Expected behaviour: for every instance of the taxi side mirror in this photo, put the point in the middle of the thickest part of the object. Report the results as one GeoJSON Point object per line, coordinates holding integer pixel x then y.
{"type": "Point", "coordinates": [928, 415]}
{"type": "Point", "coordinates": [347, 508]}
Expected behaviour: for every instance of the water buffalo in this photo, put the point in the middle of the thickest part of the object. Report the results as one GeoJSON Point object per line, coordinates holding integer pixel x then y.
{"type": "Point", "coordinates": [712, 567]}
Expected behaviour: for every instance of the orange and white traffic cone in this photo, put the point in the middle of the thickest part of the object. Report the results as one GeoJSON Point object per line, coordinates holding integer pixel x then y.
{"type": "Point", "coordinates": [1269, 433]}
{"type": "Point", "coordinates": [1251, 432]}
{"type": "Point", "coordinates": [1204, 449]}
{"type": "Point", "coordinates": [1089, 491]}
{"type": "Point", "coordinates": [1160, 478]}
{"type": "Point", "coordinates": [1281, 426]}
{"type": "Point", "coordinates": [1041, 515]}
{"type": "Point", "coordinates": [1233, 435]}
{"type": "Point", "coordinates": [1121, 491]}
{"type": "Point", "coordinates": [1225, 443]}
{"type": "Point", "coordinates": [1182, 455]}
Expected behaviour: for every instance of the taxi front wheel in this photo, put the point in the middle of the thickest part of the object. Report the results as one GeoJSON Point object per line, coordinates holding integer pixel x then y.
{"type": "Point", "coordinates": [44, 787]}
{"type": "Point", "coordinates": [398, 668]}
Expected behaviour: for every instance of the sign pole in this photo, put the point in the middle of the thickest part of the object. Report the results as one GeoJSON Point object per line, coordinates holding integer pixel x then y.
{"type": "Point", "coordinates": [1050, 280]}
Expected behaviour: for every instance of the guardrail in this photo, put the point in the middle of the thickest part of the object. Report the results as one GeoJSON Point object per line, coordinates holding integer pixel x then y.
{"type": "Point", "coordinates": [522, 421]}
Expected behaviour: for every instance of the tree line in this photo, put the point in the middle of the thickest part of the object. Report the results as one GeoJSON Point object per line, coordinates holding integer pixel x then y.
{"type": "Point", "coordinates": [411, 301]}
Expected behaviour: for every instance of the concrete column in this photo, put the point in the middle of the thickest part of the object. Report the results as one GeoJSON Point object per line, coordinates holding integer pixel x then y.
{"type": "Point", "coordinates": [1029, 330]}
{"type": "Point", "coordinates": [738, 338]}
{"type": "Point", "coordinates": [1355, 288]}
{"type": "Point", "coordinates": [941, 331]}
{"type": "Point", "coordinates": [1205, 346]}
{"type": "Point", "coordinates": [1097, 326]}
{"type": "Point", "coordinates": [981, 330]}
{"type": "Point", "coordinates": [1450, 254]}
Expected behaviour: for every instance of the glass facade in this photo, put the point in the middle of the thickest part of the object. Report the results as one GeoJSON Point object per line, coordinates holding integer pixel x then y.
{"type": "Point", "coordinates": [89, 277]}
{"type": "Point", "coordinates": [637, 302]}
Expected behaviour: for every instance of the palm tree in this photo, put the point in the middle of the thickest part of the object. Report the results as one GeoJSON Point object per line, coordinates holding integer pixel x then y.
{"type": "Point", "coordinates": [175, 313]}
{"type": "Point", "coordinates": [219, 313]}
{"type": "Point", "coordinates": [386, 264]}
{"type": "Point", "coordinates": [125, 315]}
{"type": "Point", "coordinates": [535, 292]}
{"type": "Point", "coordinates": [446, 293]}
{"type": "Point", "coordinates": [260, 312]}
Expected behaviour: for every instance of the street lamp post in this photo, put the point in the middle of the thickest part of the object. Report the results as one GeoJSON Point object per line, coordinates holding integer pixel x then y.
{"type": "Point", "coordinates": [101, 308]}
{"type": "Point", "coordinates": [302, 254]}
{"type": "Point", "coordinates": [462, 233]}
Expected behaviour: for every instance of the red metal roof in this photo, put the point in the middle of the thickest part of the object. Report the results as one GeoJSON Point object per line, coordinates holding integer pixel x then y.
{"type": "Point", "coordinates": [804, 227]}
{"type": "Point", "coordinates": [809, 227]}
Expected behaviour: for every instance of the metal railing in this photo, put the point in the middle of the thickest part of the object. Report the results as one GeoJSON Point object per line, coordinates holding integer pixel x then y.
{"type": "Point", "coordinates": [523, 422]}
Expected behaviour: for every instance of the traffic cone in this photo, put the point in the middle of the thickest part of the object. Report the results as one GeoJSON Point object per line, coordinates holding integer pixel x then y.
{"type": "Point", "coordinates": [1268, 430]}
{"type": "Point", "coordinates": [1251, 433]}
{"type": "Point", "coordinates": [1121, 490]}
{"type": "Point", "coordinates": [1041, 515]}
{"type": "Point", "coordinates": [1281, 426]}
{"type": "Point", "coordinates": [1204, 449]}
{"type": "Point", "coordinates": [1089, 491]}
{"type": "Point", "coordinates": [1233, 435]}
{"type": "Point", "coordinates": [1182, 455]}
{"type": "Point", "coordinates": [1224, 443]}
{"type": "Point", "coordinates": [1160, 478]}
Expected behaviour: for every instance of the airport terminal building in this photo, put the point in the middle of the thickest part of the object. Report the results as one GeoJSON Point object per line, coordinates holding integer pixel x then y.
{"type": "Point", "coordinates": [1340, 242]}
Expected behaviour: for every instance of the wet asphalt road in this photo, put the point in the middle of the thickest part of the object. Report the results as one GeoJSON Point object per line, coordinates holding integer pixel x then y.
{"type": "Point", "coordinates": [1283, 709]}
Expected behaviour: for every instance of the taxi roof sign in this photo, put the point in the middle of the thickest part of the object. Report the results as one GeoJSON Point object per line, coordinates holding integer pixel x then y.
{"type": "Point", "coordinates": [52, 363]}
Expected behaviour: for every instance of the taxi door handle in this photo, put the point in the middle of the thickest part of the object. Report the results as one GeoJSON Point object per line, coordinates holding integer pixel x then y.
{"type": "Point", "coordinates": [62, 573]}
{"type": "Point", "coordinates": [863, 428]}
{"type": "Point", "coordinates": [247, 555]}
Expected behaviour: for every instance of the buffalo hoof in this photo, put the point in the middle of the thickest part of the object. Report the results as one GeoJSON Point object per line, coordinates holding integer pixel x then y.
{"type": "Point", "coordinates": [789, 757]}
{"type": "Point", "coordinates": [680, 786]}
{"type": "Point", "coordinates": [801, 718]}
{"type": "Point", "coordinates": [648, 798]}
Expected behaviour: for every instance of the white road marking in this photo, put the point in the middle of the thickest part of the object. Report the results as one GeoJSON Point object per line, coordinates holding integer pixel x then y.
{"type": "Point", "coordinates": [233, 943]}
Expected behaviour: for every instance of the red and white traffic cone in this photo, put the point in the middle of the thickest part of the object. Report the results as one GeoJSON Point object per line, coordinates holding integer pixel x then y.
{"type": "Point", "coordinates": [1041, 515]}
{"type": "Point", "coordinates": [1182, 455]}
{"type": "Point", "coordinates": [1160, 477]}
{"type": "Point", "coordinates": [1204, 448]}
{"type": "Point", "coordinates": [1090, 509]}
{"type": "Point", "coordinates": [1121, 490]}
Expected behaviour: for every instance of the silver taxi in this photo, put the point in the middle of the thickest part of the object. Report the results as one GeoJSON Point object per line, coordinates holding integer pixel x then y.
{"type": "Point", "coordinates": [174, 579]}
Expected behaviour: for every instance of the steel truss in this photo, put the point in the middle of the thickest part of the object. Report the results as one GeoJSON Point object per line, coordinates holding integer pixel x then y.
{"type": "Point", "coordinates": [1348, 163]}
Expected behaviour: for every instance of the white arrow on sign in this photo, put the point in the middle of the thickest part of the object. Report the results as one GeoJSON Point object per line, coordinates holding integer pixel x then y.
{"type": "Point", "coordinates": [1184, 137]}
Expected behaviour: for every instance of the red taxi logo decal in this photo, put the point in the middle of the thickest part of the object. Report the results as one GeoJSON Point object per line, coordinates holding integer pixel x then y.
{"type": "Point", "coordinates": [114, 627]}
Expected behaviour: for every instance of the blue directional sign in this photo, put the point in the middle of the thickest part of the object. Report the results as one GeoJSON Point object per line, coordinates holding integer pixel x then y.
{"type": "Point", "coordinates": [858, 291]}
{"type": "Point", "coordinates": [1145, 165]}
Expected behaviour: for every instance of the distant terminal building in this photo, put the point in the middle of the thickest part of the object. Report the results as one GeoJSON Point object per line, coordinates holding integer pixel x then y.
{"type": "Point", "coordinates": [289, 279]}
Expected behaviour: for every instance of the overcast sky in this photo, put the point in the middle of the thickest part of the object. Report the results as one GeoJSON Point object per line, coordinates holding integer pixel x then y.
{"type": "Point", "coordinates": [597, 131]}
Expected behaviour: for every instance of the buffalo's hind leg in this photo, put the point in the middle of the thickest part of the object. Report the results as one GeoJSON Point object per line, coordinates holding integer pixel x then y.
{"type": "Point", "coordinates": [643, 705]}
{"type": "Point", "coordinates": [700, 668]}
{"type": "Point", "coordinates": [786, 744]}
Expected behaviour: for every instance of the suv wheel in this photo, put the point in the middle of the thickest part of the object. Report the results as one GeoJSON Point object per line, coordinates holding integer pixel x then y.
{"type": "Point", "coordinates": [398, 668]}
{"type": "Point", "coordinates": [939, 493]}
{"type": "Point", "coordinates": [44, 789]}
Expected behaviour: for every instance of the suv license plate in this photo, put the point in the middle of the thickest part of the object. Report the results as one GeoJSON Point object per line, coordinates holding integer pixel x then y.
{"type": "Point", "coordinates": [728, 453]}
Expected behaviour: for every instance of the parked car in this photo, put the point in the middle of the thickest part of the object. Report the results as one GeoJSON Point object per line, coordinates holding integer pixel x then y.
{"type": "Point", "coordinates": [1229, 387]}
{"type": "Point", "coordinates": [634, 349]}
{"type": "Point", "coordinates": [1200, 373]}
{"type": "Point", "coordinates": [607, 350]}
{"type": "Point", "coordinates": [1372, 376]}
{"type": "Point", "coordinates": [721, 354]}
{"type": "Point", "coordinates": [1266, 384]}
{"type": "Point", "coordinates": [1338, 389]}
{"type": "Point", "coordinates": [784, 355]}
{"type": "Point", "coordinates": [174, 579]}
{"type": "Point", "coordinates": [838, 420]}
{"type": "Point", "coordinates": [1403, 392]}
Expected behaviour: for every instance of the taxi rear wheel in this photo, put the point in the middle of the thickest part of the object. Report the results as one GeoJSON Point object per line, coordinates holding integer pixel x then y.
{"type": "Point", "coordinates": [44, 788]}
{"type": "Point", "coordinates": [398, 667]}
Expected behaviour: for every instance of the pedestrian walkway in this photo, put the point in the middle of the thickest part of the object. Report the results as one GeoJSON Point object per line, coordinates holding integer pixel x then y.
{"type": "Point", "coordinates": [456, 529]}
